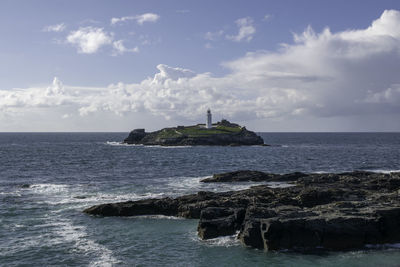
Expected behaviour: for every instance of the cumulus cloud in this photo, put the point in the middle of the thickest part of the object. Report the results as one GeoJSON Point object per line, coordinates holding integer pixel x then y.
{"type": "Point", "coordinates": [55, 28]}
{"type": "Point", "coordinates": [89, 40]}
{"type": "Point", "coordinates": [119, 48]}
{"type": "Point", "coordinates": [140, 19]}
{"type": "Point", "coordinates": [246, 30]}
{"type": "Point", "coordinates": [326, 74]}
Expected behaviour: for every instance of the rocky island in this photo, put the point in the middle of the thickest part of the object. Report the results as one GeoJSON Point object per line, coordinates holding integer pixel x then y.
{"type": "Point", "coordinates": [319, 211]}
{"type": "Point", "coordinates": [222, 133]}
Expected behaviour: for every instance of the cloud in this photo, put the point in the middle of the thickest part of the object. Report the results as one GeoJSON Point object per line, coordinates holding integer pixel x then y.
{"type": "Point", "coordinates": [89, 39]}
{"type": "Point", "coordinates": [140, 19]}
{"type": "Point", "coordinates": [347, 74]}
{"type": "Point", "coordinates": [55, 28]}
{"type": "Point", "coordinates": [212, 36]}
{"type": "Point", "coordinates": [120, 48]}
{"type": "Point", "coordinates": [246, 30]}
{"type": "Point", "coordinates": [389, 96]}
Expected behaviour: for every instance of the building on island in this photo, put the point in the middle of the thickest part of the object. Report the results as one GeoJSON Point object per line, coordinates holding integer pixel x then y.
{"type": "Point", "coordinates": [209, 119]}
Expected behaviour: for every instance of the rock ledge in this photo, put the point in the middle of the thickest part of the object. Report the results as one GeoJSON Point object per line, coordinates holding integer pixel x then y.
{"type": "Point", "coordinates": [326, 211]}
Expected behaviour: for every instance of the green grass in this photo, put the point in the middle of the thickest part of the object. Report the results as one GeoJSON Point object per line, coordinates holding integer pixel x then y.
{"type": "Point", "coordinates": [168, 133]}
{"type": "Point", "coordinates": [197, 131]}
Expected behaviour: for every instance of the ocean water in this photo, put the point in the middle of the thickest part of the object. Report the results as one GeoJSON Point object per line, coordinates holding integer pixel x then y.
{"type": "Point", "coordinates": [47, 179]}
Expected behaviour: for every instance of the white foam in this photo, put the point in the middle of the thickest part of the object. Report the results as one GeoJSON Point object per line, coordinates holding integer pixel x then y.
{"type": "Point", "coordinates": [48, 188]}
{"type": "Point", "coordinates": [320, 172]}
{"type": "Point", "coordinates": [222, 241]}
{"type": "Point", "coordinates": [67, 232]}
{"type": "Point", "coordinates": [187, 185]}
{"type": "Point", "coordinates": [14, 194]}
{"type": "Point", "coordinates": [113, 143]}
{"type": "Point", "coordinates": [279, 185]}
{"type": "Point", "coordinates": [97, 198]}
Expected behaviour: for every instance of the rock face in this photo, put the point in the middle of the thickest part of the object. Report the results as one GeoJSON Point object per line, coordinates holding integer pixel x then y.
{"type": "Point", "coordinates": [223, 133]}
{"type": "Point", "coordinates": [326, 211]}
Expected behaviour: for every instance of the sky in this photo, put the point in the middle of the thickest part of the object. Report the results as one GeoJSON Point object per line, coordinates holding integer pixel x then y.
{"type": "Point", "coordinates": [273, 66]}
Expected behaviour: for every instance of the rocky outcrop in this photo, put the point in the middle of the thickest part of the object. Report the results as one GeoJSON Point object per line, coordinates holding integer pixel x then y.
{"type": "Point", "coordinates": [222, 134]}
{"type": "Point", "coordinates": [253, 176]}
{"type": "Point", "coordinates": [325, 211]}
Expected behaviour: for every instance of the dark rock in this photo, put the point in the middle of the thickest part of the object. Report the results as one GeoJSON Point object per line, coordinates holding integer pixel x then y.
{"type": "Point", "coordinates": [216, 221]}
{"type": "Point", "coordinates": [253, 176]}
{"type": "Point", "coordinates": [240, 176]}
{"type": "Point", "coordinates": [326, 211]}
{"type": "Point", "coordinates": [135, 136]}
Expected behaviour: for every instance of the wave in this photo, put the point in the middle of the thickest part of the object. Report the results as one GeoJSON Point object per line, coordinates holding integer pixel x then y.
{"type": "Point", "coordinates": [59, 194]}
{"type": "Point", "coordinates": [113, 143]}
{"type": "Point", "coordinates": [222, 241]}
{"type": "Point", "coordinates": [279, 185]}
{"type": "Point", "coordinates": [66, 232]}
{"type": "Point", "coordinates": [48, 188]}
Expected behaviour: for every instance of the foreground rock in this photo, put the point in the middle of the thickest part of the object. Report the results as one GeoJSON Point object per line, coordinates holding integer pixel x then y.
{"type": "Point", "coordinates": [329, 211]}
{"type": "Point", "coordinates": [222, 133]}
{"type": "Point", "coordinates": [253, 176]}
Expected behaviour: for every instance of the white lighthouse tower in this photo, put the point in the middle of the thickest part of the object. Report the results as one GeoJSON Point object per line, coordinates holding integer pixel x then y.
{"type": "Point", "coordinates": [209, 119]}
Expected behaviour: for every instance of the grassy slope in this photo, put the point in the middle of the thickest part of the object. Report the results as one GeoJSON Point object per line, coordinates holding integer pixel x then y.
{"type": "Point", "coordinates": [197, 131]}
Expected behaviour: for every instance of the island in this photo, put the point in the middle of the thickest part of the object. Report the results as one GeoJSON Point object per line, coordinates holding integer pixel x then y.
{"type": "Point", "coordinates": [223, 133]}
{"type": "Point", "coordinates": [315, 211]}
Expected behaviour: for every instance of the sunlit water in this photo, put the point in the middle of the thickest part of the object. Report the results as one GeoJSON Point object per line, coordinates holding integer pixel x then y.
{"type": "Point", "coordinates": [47, 179]}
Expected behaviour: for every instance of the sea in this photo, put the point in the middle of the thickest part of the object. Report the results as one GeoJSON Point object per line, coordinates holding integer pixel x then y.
{"type": "Point", "coordinates": [48, 179]}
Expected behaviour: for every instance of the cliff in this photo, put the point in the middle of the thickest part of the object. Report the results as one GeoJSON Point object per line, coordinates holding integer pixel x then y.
{"type": "Point", "coordinates": [222, 133]}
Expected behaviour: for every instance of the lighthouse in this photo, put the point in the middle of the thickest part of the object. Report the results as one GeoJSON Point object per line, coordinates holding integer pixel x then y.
{"type": "Point", "coordinates": [209, 119]}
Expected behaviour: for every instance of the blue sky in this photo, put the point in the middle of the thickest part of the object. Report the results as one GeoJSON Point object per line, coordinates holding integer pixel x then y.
{"type": "Point", "coordinates": [265, 64]}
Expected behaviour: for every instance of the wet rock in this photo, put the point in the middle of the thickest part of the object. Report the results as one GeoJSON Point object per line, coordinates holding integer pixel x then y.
{"type": "Point", "coordinates": [325, 211]}
{"type": "Point", "coordinates": [253, 176]}
{"type": "Point", "coordinates": [240, 176]}
{"type": "Point", "coordinates": [215, 222]}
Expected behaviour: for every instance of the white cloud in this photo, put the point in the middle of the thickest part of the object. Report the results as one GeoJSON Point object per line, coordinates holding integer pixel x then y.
{"type": "Point", "coordinates": [89, 39]}
{"type": "Point", "coordinates": [55, 28]}
{"type": "Point", "coordinates": [119, 48]}
{"type": "Point", "coordinates": [212, 36]}
{"type": "Point", "coordinates": [346, 74]}
{"type": "Point", "coordinates": [246, 30]}
{"type": "Point", "coordinates": [140, 19]}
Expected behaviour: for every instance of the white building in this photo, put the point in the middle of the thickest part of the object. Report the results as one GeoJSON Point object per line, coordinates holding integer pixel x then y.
{"type": "Point", "coordinates": [209, 119]}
